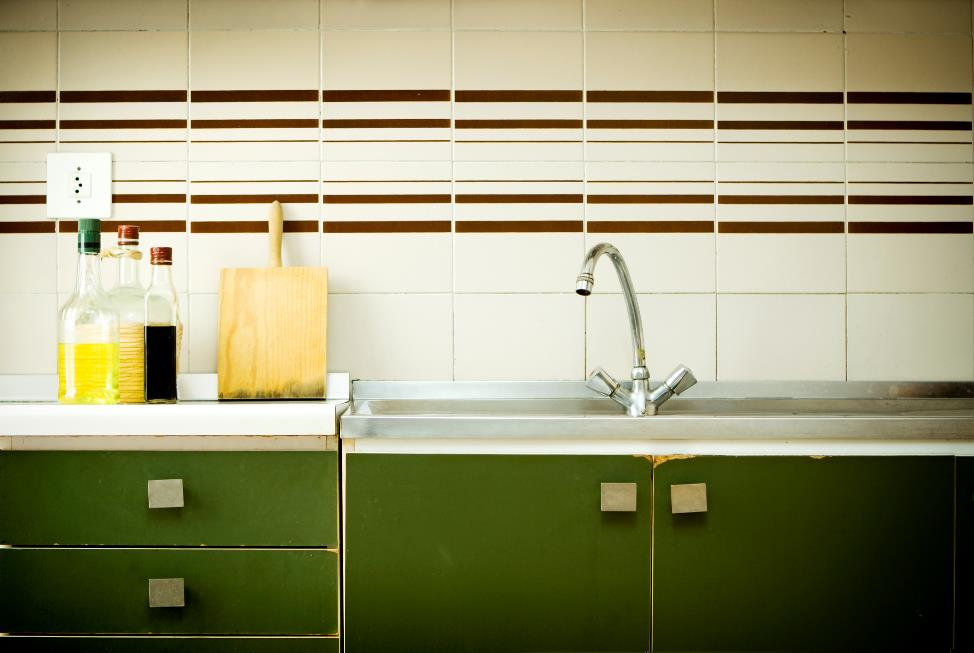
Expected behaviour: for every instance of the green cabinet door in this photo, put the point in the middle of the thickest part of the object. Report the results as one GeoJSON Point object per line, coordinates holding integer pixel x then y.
{"type": "Point", "coordinates": [802, 553]}
{"type": "Point", "coordinates": [964, 614]}
{"type": "Point", "coordinates": [494, 553]}
{"type": "Point", "coordinates": [148, 644]}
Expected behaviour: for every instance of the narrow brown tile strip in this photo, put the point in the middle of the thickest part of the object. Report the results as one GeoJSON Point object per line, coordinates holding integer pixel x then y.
{"type": "Point", "coordinates": [285, 198]}
{"type": "Point", "coordinates": [906, 97]}
{"type": "Point", "coordinates": [108, 226]}
{"type": "Point", "coordinates": [651, 227]}
{"type": "Point", "coordinates": [518, 124]}
{"type": "Point", "coordinates": [122, 96]}
{"type": "Point", "coordinates": [780, 124]}
{"type": "Point", "coordinates": [929, 200]}
{"type": "Point", "coordinates": [780, 199]}
{"type": "Point", "coordinates": [23, 199]}
{"type": "Point", "coordinates": [149, 198]}
{"type": "Point", "coordinates": [27, 96]}
{"type": "Point", "coordinates": [518, 226]}
{"type": "Point", "coordinates": [388, 95]}
{"type": "Point", "coordinates": [650, 124]}
{"type": "Point", "coordinates": [518, 96]}
{"type": "Point", "coordinates": [384, 123]}
{"type": "Point", "coordinates": [932, 125]}
{"type": "Point", "coordinates": [24, 227]}
{"type": "Point", "coordinates": [249, 226]}
{"type": "Point", "coordinates": [650, 199]}
{"type": "Point", "coordinates": [650, 96]}
{"type": "Point", "coordinates": [780, 97]}
{"type": "Point", "coordinates": [386, 199]}
{"type": "Point", "coordinates": [255, 96]}
{"type": "Point", "coordinates": [522, 198]}
{"type": "Point", "coordinates": [26, 124]}
{"type": "Point", "coordinates": [911, 227]}
{"type": "Point", "coordinates": [387, 227]}
{"type": "Point", "coordinates": [123, 124]}
{"type": "Point", "coordinates": [256, 123]}
{"type": "Point", "coordinates": [772, 227]}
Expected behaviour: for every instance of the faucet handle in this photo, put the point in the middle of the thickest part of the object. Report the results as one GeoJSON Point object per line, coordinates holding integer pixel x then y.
{"type": "Point", "coordinates": [680, 380]}
{"type": "Point", "coordinates": [602, 382]}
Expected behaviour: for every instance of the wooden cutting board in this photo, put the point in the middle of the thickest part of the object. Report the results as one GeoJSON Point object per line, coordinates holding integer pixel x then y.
{"type": "Point", "coordinates": [273, 328]}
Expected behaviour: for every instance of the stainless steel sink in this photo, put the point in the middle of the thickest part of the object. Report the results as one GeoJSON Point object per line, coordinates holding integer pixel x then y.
{"type": "Point", "coordinates": [710, 410]}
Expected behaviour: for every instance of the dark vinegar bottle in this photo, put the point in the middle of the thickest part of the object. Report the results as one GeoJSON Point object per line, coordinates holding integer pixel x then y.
{"type": "Point", "coordinates": [161, 321]}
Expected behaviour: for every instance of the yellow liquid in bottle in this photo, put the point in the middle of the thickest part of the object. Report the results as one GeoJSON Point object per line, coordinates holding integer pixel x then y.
{"type": "Point", "coordinates": [87, 373]}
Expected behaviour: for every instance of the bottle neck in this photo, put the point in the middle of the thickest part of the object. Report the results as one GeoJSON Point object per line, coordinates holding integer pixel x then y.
{"type": "Point", "coordinates": [128, 269]}
{"type": "Point", "coordinates": [89, 274]}
{"type": "Point", "coordinates": [162, 276]}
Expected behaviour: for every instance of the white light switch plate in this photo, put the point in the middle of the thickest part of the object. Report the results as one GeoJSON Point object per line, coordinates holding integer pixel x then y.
{"type": "Point", "coordinates": [79, 185]}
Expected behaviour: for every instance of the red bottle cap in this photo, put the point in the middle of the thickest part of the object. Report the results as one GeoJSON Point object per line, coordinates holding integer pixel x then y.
{"type": "Point", "coordinates": [160, 255]}
{"type": "Point", "coordinates": [128, 234]}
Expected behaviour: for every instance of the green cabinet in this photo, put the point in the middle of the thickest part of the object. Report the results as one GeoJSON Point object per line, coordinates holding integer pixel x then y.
{"type": "Point", "coordinates": [802, 553]}
{"type": "Point", "coordinates": [965, 555]}
{"type": "Point", "coordinates": [470, 553]}
{"type": "Point", "coordinates": [144, 644]}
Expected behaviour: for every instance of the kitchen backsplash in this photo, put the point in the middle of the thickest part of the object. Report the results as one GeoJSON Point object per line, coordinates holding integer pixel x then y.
{"type": "Point", "coordinates": [790, 181]}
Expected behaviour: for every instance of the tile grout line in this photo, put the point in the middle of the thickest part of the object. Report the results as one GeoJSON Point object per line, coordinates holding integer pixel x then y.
{"type": "Point", "coordinates": [585, 242]}
{"type": "Point", "coordinates": [845, 187]}
{"type": "Point", "coordinates": [453, 194]}
{"type": "Point", "coordinates": [187, 327]}
{"type": "Point", "coordinates": [716, 195]}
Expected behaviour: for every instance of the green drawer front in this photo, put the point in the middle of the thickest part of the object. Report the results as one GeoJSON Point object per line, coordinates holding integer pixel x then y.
{"type": "Point", "coordinates": [238, 498]}
{"type": "Point", "coordinates": [227, 591]}
{"type": "Point", "coordinates": [145, 644]}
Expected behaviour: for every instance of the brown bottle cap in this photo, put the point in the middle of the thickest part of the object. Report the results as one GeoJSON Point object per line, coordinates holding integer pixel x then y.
{"type": "Point", "coordinates": [160, 255]}
{"type": "Point", "coordinates": [128, 234]}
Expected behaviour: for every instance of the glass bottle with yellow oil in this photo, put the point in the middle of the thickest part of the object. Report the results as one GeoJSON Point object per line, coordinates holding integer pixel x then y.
{"type": "Point", "coordinates": [88, 330]}
{"type": "Point", "coordinates": [128, 298]}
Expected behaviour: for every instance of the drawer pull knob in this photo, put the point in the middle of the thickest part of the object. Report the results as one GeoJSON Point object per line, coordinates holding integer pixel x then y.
{"type": "Point", "coordinates": [687, 498]}
{"type": "Point", "coordinates": [618, 497]}
{"type": "Point", "coordinates": [167, 593]}
{"type": "Point", "coordinates": [166, 493]}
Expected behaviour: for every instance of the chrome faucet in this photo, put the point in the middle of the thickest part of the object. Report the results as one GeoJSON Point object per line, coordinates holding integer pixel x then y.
{"type": "Point", "coordinates": [639, 400]}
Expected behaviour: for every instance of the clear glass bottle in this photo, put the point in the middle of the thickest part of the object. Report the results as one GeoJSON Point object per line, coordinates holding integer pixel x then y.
{"type": "Point", "coordinates": [128, 298]}
{"type": "Point", "coordinates": [161, 329]}
{"type": "Point", "coordinates": [88, 330]}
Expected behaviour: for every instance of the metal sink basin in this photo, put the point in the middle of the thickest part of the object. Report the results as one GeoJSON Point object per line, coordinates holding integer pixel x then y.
{"type": "Point", "coordinates": [709, 410]}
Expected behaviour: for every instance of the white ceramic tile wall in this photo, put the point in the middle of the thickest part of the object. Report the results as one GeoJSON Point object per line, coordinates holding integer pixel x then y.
{"type": "Point", "coordinates": [790, 181]}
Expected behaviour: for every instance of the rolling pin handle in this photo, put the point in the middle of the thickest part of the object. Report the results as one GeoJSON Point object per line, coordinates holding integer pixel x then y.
{"type": "Point", "coordinates": [275, 229]}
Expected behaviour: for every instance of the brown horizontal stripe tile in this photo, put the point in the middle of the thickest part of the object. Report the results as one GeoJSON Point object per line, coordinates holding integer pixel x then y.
{"type": "Point", "coordinates": [123, 124]}
{"type": "Point", "coordinates": [387, 226]}
{"type": "Point", "coordinates": [249, 226]}
{"type": "Point", "coordinates": [780, 124]}
{"type": "Point", "coordinates": [149, 198]}
{"type": "Point", "coordinates": [650, 96]}
{"type": "Point", "coordinates": [384, 123]}
{"type": "Point", "coordinates": [650, 199]}
{"type": "Point", "coordinates": [780, 97]}
{"type": "Point", "coordinates": [651, 227]}
{"type": "Point", "coordinates": [256, 123]}
{"type": "Point", "coordinates": [515, 123]}
{"type": "Point", "coordinates": [108, 226]}
{"type": "Point", "coordinates": [937, 200]}
{"type": "Point", "coordinates": [23, 199]}
{"type": "Point", "coordinates": [518, 226]}
{"type": "Point", "coordinates": [387, 199]}
{"type": "Point", "coordinates": [780, 199]}
{"type": "Point", "coordinates": [255, 96]}
{"type": "Point", "coordinates": [650, 124]}
{"type": "Point", "coordinates": [521, 198]}
{"type": "Point", "coordinates": [388, 95]}
{"type": "Point", "coordinates": [26, 124]}
{"type": "Point", "coordinates": [911, 227]}
{"type": "Point", "coordinates": [933, 125]}
{"type": "Point", "coordinates": [283, 198]}
{"type": "Point", "coordinates": [123, 96]}
{"type": "Point", "coordinates": [771, 227]}
{"type": "Point", "coordinates": [28, 96]}
{"type": "Point", "coordinates": [24, 227]}
{"type": "Point", "coordinates": [518, 96]}
{"type": "Point", "coordinates": [906, 97]}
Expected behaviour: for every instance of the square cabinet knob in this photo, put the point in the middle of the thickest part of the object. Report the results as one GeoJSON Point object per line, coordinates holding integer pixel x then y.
{"type": "Point", "coordinates": [689, 497]}
{"type": "Point", "coordinates": [167, 593]}
{"type": "Point", "coordinates": [618, 497]}
{"type": "Point", "coordinates": [166, 493]}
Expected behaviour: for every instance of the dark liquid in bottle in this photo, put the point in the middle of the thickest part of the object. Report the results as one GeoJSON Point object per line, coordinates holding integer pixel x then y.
{"type": "Point", "coordinates": [160, 363]}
